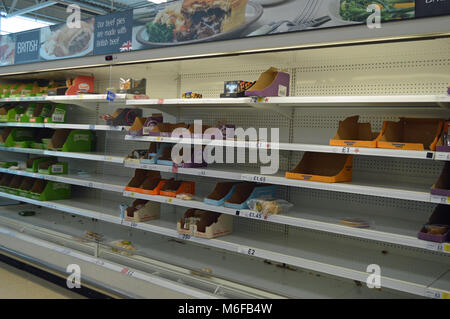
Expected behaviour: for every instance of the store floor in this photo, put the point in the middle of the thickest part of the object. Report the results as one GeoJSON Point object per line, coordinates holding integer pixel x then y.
{"type": "Point", "coordinates": [18, 284]}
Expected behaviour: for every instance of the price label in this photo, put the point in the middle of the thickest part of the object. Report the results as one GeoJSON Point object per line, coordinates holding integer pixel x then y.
{"type": "Point", "coordinates": [160, 101]}
{"type": "Point", "coordinates": [174, 169]}
{"type": "Point", "coordinates": [131, 194]}
{"type": "Point", "coordinates": [433, 294]}
{"type": "Point", "coordinates": [99, 262]}
{"type": "Point", "coordinates": [92, 127]}
{"type": "Point", "coordinates": [345, 150]}
{"type": "Point", "coordinates": [158, 138]}
{"type": "Point", "coordinates": [263, 145]}
{"type": "Point", "coordinates": [443, 156]}
{"type": "Point", "coordinates": [247, 251]}
{"type": "Point", "coordinates": [170, 200]}
{"type": "Point", "coordinates": [202, 172]}
{"type": "Point", "coordinates": [440, 199]}
{"type": "Point", "coordinates": [127, 272]}
{"type": "Point", "coordinates": [256, 215]}
{"type": "Point", "coordinates": [133, 224]}
{"type": "Point", "coordinates": [259, 179]}
{"type": "Point", "coordinates": [184, 236]}
{"type": "Point", "coordinates": [65, 251]}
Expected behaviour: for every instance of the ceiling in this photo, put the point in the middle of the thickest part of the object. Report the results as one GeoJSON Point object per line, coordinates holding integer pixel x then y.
{"type": "Point", "coordinates": [55, 10]}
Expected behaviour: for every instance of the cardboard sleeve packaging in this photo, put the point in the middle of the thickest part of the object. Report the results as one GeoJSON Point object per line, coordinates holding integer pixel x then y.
{"type": "Point", "coordinates": [323, 167]}
{"type": "Point", "coordinates": [172, 188]}
{"type": "Point", "coordinates": [166, 129]}
{"type": "Point", "coordinates": [271, 83]}
{"type": "Point", "coordinates": [72, 141]}
{"type": "Point", "coordinates": [440, 146]}
{"type": "Point", "coordinates": [353, 134]}
{"type": "Point", "coordinates": [13, 187]}
{"type": "Point", "coordinates": [53, 168]}
{"type": "Point", "coordinates": [442, 186]}
{"type": "Point", "coordinates": [411, 134]}
{"type": "Point", "coordinates": [142, 210]}
{"type": "Point", "coordinates": [205, 224]}
{"type": "Point", "coordinates": [221, 193]}
{"type": "Point", "coordinates": [17, 137]}
{"type": "Point", "coordinates": [440, 216]}
{"type": "Point", "coordinates": [48, 190]}
{"type": "Point", "coordinates": [124, 117]}
{"type": "Point", "coordinates": [246, 191]}
{"type": "Point", "coordinates": [141, 176]}
{"type": "Point", "coordinates": [5, 181]}
{"type": "Point", "coordinates": [25, 187]}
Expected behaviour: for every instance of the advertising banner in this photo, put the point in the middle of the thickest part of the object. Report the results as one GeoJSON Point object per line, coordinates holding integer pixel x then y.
{"type": "Point", "coordinates": [194, 21]}
{"type": "Point", "coordinates": [27, 46]}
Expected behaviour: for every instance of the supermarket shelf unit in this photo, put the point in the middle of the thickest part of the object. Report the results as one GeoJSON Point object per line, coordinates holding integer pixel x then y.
{"type": "Point", "coordinates": [309, 236]}
{"type": "Point", "coordinates": [117, 184]}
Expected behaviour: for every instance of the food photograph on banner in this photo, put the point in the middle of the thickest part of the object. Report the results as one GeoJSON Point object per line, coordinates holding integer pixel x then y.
{"type": "Point", "coordinates": [7, 49]}
{"type": "Point", "coordinates": [64, 41]}
{"type": "Point", "coordinates": [193, 21]}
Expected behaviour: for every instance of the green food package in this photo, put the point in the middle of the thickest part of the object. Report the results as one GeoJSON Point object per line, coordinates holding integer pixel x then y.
{"type": "Point", "coordinates": [57, 114]}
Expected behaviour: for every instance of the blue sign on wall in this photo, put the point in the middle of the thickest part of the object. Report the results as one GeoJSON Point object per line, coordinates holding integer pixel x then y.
{"type": "Point", "coordinates": [27, 46]}
{"type": "Point", "coordinates": [113, 33]}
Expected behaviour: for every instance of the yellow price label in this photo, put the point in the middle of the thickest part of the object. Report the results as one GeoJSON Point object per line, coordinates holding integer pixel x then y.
{"type": "Point", "coordinates": [447, 247]}
{"type": "Point", "coordinates": [132, 194]}
{"type": "Point", "coordinates": [170, 200]}
{"type": "Point", "coordinates": [445, 295]}
{"type": "Point", "coordinates": [158, 138]}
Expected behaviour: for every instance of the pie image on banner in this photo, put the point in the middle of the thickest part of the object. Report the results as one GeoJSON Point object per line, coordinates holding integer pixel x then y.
{"type": "Point", "coordinates": [63, 41]}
